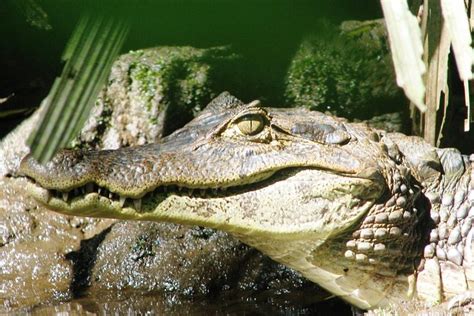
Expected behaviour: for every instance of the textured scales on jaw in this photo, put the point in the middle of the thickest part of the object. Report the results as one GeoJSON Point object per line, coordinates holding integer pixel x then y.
{"type": "Point", "coordinates": [447, 269]}
{"type": "Point", "coordinates": [389, 239]}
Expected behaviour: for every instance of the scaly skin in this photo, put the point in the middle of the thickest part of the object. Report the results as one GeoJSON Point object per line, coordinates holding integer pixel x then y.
{"type": "Point", "coordinates": [373, 217]}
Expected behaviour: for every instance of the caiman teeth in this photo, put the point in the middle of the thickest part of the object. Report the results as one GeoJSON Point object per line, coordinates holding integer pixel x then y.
{"type": "Point", "coordinates": [122, 201]}
{"type": "Point", "coordinates": [125, 200]}
{"type": "Point", "coordinates": [138, 204]}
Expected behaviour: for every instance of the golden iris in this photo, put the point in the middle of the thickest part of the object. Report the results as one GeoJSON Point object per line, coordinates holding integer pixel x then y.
{"type": "Point", "coordinates": [251, 124]}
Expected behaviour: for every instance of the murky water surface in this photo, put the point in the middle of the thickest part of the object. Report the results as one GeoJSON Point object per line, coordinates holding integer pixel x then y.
{"type": "Point", "coordinates": [157, 305]}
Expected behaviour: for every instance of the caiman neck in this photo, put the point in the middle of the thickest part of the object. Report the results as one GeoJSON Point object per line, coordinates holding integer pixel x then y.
{"type": "Point", "coordinates": [447, 268]}
{"type": "Point", "coordinates": [371, 263]}
{"type": "Point", "coordinates": [440, 237]}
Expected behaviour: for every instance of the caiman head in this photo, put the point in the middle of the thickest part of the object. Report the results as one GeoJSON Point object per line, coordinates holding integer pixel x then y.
{"type": "Point", "coordinates": [321, 195]}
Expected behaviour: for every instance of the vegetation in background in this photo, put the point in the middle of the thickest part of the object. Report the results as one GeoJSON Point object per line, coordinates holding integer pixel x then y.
{"type": "Point", "coordinates": [152, 92]}
{"type": "Point", "coordinates": [347, 71]}
{"type": "Point", "coordinates": [421, 38]}
{"type": "Point", "coordinates": [88, 57]}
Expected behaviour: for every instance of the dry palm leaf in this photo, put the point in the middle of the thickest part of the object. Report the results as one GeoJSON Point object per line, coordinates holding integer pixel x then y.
{"type": "Point", "coordinates": [446, 24]}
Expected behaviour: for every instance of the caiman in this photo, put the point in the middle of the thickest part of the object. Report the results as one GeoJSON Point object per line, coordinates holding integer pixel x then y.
{"type": "Point", "coordinates": [375, 218]}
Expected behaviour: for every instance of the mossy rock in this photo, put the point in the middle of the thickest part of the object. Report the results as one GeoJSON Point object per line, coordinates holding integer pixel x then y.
{"type": "Point", "coordinates": [152, 92]}
{"type": "Point", "coordinates": [346, 71]}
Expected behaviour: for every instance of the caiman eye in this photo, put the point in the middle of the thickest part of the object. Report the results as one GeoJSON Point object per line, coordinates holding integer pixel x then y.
{"type": "Point", "coordinates": [251, 124]}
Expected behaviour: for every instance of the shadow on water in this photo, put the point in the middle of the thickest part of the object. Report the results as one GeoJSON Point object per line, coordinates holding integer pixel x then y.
{"type": "Point", "coordinates": [150, 304]}
{"type": "Point", "coordinates": [83, 261]}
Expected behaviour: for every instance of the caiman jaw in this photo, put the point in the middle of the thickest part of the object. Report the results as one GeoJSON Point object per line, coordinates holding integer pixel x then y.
{"type": "Point", "coordinates": [313, 191]}
{"type": "Point", "coordinates": [220, 155]}
{"type": "Point", "coordinates": [213, 151]}
{"type": "Point", "coordinates": [61, 200]}
{"type": "Point", "coordinates": [53, 197]}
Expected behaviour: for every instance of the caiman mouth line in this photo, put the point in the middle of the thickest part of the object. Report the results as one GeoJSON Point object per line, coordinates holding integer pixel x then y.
{"type": "Point", "coordinates": [167, 190]}
{"type": "Point", "coordinates": [137, 202]}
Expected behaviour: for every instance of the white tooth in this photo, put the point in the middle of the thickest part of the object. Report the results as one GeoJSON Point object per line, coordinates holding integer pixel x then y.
{"type": "Point", "coordinates": [89, 188]}
{"type": "Point", "coordinates": [138, 204]}
{"type": "Point", "coordinates": [203, 192]}
{"type": "Point", "coordinates": [65, 196]}
{"type": "Point", "coordinates": [99, 190]}
{"type": "Point", "coordinates": [122, 200]}
{"type": "Point", "coordinates": [180, 188]}
{"type": "Point", "coordinates": [45, 195]}
{"type": "Point", "coordinates": [111, 195]}
{"type": "Point", "coordinates": [190, 191]}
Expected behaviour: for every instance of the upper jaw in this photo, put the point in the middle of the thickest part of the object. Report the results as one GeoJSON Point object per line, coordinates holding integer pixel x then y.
{"type": "Point", "coordinates": [88, 200]}
{"type": "Point", "coordinates": [204, 162]}
{"type": "Point", "coordinates": [132, 172]}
